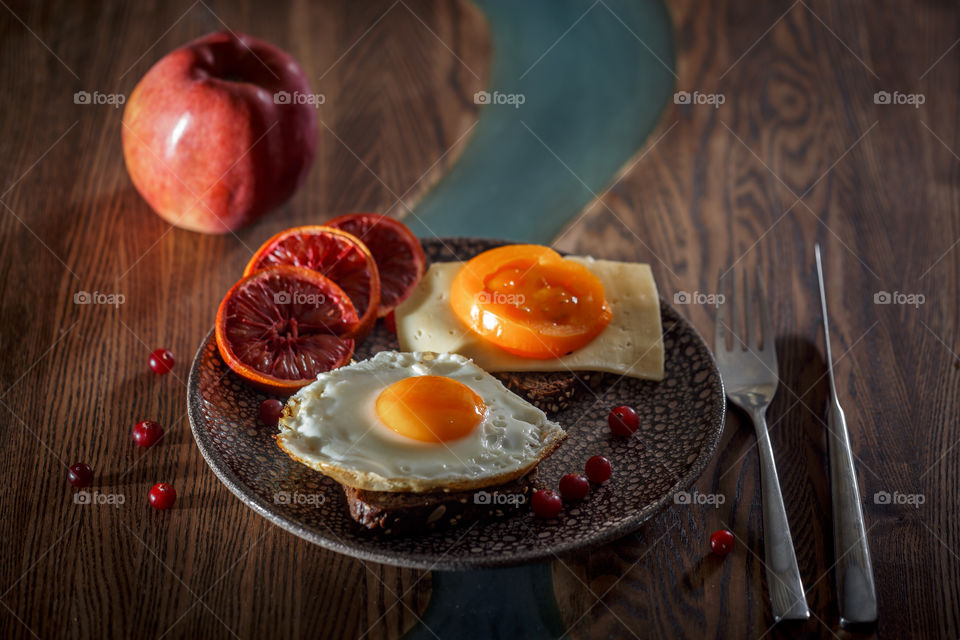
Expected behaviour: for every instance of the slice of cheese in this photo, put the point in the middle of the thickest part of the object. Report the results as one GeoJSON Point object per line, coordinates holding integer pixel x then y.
{"type": "Point", "coordinates": [631, 345]}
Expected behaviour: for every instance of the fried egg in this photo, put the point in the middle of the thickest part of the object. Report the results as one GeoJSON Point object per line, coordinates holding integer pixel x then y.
{"type": "Point", "coordinates": [417, 422]}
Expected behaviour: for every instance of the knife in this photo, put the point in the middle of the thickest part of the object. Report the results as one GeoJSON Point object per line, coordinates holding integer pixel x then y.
{"type": "Point", "coordinates": [856, 591]}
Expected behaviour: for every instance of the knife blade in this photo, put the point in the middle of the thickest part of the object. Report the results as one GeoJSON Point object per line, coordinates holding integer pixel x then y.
{"type": "Point", "coordinates": [856, 590]}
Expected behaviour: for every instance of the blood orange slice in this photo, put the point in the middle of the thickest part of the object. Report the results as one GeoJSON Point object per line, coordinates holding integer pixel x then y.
{"type": "Point", "coordinates": [397, 251]}
{"type": "Point", "coordinates": [279, 327]}
{"type": "Point", "coordinates": [336, 254]}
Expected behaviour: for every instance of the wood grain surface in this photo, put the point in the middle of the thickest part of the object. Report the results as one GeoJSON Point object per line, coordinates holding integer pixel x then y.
{"type": "Point", "coordinates": [798, 152]}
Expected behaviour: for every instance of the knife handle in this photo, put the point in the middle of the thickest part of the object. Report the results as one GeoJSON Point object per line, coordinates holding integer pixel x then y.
{"type": "Point", "coordinates": [856, 591]}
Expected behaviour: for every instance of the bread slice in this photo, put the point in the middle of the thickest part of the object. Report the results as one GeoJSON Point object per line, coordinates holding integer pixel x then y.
{"type": "Point", "coordinates": [394, 513]}
{"type": "Point", "coordinates": [552, 392]}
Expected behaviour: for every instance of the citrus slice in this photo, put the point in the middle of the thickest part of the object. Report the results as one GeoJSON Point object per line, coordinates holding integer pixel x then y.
{"type": "Point", "coordinates": [335, 253]}
{"type": "Point", "coordinates": [279, 327]}
{"type": "Point", "coordinates": [397, 251]}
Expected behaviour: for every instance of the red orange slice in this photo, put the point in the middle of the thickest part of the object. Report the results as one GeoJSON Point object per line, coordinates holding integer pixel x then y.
{"type": "Point", "coordinates": [280, 326]}
{"type": "Point", "coordinates": [400, 258]}
{"type": "Point", "coordinates": [334, 253]}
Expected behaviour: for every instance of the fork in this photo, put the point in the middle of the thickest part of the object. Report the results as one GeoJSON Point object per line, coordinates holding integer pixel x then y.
{"type": "Point", "coordinates": [749, 374]}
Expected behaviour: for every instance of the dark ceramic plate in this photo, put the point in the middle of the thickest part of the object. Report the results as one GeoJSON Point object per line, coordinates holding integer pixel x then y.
{"type": "Point", "coordinates": [681, 420]}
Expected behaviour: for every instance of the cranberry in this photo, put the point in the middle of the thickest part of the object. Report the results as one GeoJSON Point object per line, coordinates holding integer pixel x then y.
{"type": "Point", "coordinates": [161, 361]}
{"type": "Point", "coordinates": [574, 487]}
{"type": "Point", "coordinates": [162, 496]}
{"type": "Point", "coordinates": [623, 420]}
{"type": "Point", "coordinates": [546, 503]}
{"type": "Point", "coordinates": [270, 411]}
{"type": "Point", "coordinates": [80, 475]}
{"type": "Point", "coordinates": [147, 433]}
{"type": "Point", "coordinates": [390, 320]}
{"type": "Point", "coordinates": [721, 542]}
{"type": "Point", "coordinates": [598, 469]}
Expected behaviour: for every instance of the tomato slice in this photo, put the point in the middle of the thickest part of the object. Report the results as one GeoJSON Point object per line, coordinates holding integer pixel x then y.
{"type": "Point", "coordinates": [530, 301]}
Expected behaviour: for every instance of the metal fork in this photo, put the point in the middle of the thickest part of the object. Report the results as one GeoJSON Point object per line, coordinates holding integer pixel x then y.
{"type": "Point", "coordinates": [749, 374]}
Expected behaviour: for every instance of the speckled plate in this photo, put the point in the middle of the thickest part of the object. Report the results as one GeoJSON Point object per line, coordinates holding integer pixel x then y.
{"type": "Point", "coordinates": [681, 420]}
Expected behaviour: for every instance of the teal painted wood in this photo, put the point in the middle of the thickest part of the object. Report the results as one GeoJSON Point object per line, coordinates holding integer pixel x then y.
{"type": "Point", "coordinates": [493, 603]}
{"type": "Point", "coordinates": [575, 90]}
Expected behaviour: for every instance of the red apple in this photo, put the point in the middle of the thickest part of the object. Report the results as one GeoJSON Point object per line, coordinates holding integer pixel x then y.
{"type": "Point", "coordinates": [220, 131]}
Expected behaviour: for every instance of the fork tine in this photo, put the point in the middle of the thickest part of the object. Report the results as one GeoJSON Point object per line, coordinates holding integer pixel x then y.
{"type": "Point", "coordinates": [734, 308]}
{"type": "Point", "coordinates": [719, 334]}
{"type": "Point", "coordinates": [765, 315]}
{"type": "Point", "coordinates": [743, 340]}
{"type": "Point", "coordinates": [752, 338]}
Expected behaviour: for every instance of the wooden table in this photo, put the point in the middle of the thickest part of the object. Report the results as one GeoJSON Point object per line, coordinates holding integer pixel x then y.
{"type": "Point", "coordinates": [798, 152]}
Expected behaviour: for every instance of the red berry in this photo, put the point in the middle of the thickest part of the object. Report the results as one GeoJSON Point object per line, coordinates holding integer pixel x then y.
{"type": "Point", "coordinates": [146, 433]}
{"type": "Point", "coordinates": [546, 503]}
{"type": "Point", "coordinates": [390, 320]}
{"type": "Point", "coordinates": [721, 542]}
{"type": "Point", "coordinates": [80, 475]}
{"type": "Point", "coordinates": [598, 469]}
{"type": "Point", "coordinates": [574, 487]}
{"type": "Point", "coordinates": [623, 420]}
{"type": "Point", "coordinates": [162, 496]}
{"type": "Point", "coordinates": [161, 361]}
{"type": "Point", "coordinates": [270, 411]}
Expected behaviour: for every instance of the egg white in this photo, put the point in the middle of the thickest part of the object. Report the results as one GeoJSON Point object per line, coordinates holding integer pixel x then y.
{"type": "Point", "coordinates": [332, 425]}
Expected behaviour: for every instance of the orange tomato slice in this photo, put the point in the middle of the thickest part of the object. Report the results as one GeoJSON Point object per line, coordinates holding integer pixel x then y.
{"type": "Point", "coordinates": [530, 301]}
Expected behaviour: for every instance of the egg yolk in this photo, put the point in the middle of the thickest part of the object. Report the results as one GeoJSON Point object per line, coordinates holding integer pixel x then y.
{"type": "Point", "coordinates": [430, 408]}
{"type": "Point", "coordinates": [529, 301]}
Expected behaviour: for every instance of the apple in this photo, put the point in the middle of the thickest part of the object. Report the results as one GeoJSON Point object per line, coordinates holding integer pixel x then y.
{"type": "Point", "coordinates": [220, 131]}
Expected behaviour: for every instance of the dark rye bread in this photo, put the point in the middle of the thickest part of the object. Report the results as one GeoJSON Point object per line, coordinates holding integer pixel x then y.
{"type": "Point", "coordinates": [399, 513]}
{"type": "Point", "coordinates": [403, 513]}
{"type": "Point", "coordinates": [551, 391]}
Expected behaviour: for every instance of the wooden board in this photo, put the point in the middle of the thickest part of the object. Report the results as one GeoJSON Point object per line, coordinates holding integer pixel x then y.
{"type": "Point", "coordinates": [880, 194]}
{"type": "Point", "coordinates": [399, 81]}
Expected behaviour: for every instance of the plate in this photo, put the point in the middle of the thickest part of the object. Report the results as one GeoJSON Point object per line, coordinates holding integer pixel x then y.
{"type": "Point", "coordinates": [681, 418]}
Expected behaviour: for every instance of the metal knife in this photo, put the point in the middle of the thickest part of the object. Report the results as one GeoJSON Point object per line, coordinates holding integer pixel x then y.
{"type": "Point", "coordinates": [856, 590]}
